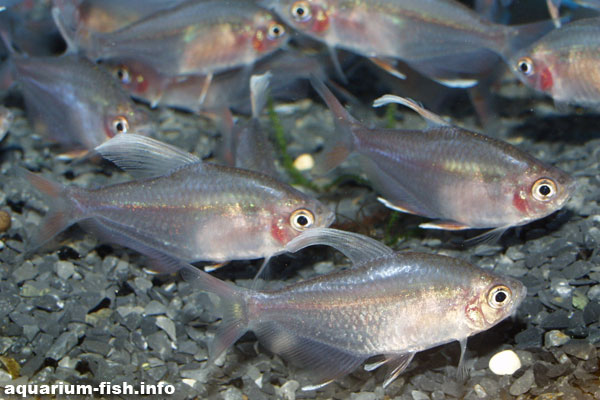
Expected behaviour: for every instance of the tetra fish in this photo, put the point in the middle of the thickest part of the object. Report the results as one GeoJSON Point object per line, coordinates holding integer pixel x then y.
{"type": "Point", "coordinates": [564, 64]}
{"type": "Point", "coordinates": [186, 208]}
{"type": "Point", "coordinates": [388, 304]}
{"type": "Point", "coordinates": [195, 38]}
{"type": "Point", "coordinates": [74, 102]}
{"type": "Point", "coordinates": [443, 40]}
{"type": "Point", "coordinates": [461, 178]}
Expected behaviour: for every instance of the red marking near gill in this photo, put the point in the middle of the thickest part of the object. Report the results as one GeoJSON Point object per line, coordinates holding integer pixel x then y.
{"type": "Point", "coordinates": [278, 233]}
{"type": "Point", "coordinates": [546, 81]}
{"type": "Point", "coordinates": [321, 21]}
{"type": "Point", "coordinates": [141, 84]}
{"type": "Point", "coordinates": [258, 41]}
{"type": "Point", "coordinates": [520, 203]}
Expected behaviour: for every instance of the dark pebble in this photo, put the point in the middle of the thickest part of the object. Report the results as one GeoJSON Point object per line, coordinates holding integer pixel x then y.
{"type": "Point", "coordinates": [557, 320]}
{"type": "Point", "coordinates": [530, 337]}
{"type": "Point", "coordinates": [591, 312]}
{"type": "Point", "coordinates": [49, 303]}
{"type": "Point", "coordinates": [580, 348]}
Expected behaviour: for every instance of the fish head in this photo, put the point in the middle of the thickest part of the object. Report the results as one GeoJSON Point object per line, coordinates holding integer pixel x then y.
{"type": "Point", "coordinates": [492, 298]}
{"type": "Point", "coordinates": [309, 16]}
{"type": "Point", "coordinates": [536, 69]}
{"type": "Point", "coordinates": [296, 215]}
{"type": "Point", "coordinates": [137, 78]}
{"type": "Point", "coordinates": [540, 191]}
{"type": "Point", "coordinates": [269, 34]}
{"type": "Point", "coordinates": [126, 118]}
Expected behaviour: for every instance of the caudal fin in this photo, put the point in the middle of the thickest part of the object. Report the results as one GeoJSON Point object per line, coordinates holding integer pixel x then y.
{"type": "Point", "coordinates": [62, 211]}
{"type": "Point", "coordinates": [339, 148]}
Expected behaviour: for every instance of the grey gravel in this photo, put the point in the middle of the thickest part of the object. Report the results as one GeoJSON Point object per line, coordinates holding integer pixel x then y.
{"type": "Point", "coordinates": [522, 384]}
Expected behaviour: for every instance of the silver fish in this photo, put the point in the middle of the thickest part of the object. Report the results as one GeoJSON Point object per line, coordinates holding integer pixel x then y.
{"type": "Point", "coordinates": [564, 64]}
{"type": "Point", "coordinates": [442, 39]}
{"type": "Point", "coordinates": [185, 208]}
{"type": "Point", "coordinates": [464, 179]}
{"type": "Point", "coordinates": [389, 304]}
{"type": "Point", "coordinates": [75, 102]}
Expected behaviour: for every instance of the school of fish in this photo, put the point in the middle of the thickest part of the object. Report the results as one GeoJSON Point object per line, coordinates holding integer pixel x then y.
{"type": "Point", "coordinates": [222, 60]}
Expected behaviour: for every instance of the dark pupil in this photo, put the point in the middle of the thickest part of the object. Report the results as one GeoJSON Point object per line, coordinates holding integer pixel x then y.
{"type": "Point", "coordinates": [500, 297]}
{"type": "Point", "coordinates": [300, 11]}
{"type": "Point", "coordinates": [524, 67]}
{"type": "Point", "coordinates": [276, 31]}
{"type": "Point", "coordinates": [119, 127]}
{"type": "Point", "coordinates": [545, 190]}
{"type": "Point", "coordinates": [302, 220]}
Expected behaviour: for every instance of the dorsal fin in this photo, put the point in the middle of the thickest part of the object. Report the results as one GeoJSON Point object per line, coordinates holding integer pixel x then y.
{"type": "Point", "coordinates": [413, 105]}
{"type": "Point", "coordinates": [143, 156]}
{"type": "Point", "coordinates": [358, 248]}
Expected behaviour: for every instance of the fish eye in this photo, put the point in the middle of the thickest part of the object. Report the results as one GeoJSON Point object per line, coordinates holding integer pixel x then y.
{"type": "Point", "coordinates": [543, 189]}
{"type": "Point", "coordinates": [525, 66]}
{"type": "Point", "coordinates": [499, 296]}
{"type": "Point", "coordinates": [302, 219]}
{"type": "Point", "coordinates": [123, 74]}
{"type": "Point", "coordinates": [275, 31]}
{"type": "Point", "coordinates": [120, 125]}
{"type": "Point", "coordinates": [301, 11]}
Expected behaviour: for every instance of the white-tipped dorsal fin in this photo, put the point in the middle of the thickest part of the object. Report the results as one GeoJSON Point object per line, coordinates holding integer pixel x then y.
{"type": "Point", "coordinates": [259, 85]}
{"type": "Point", "coordinates": [358, 248]}
{"type": "Point", "coordinates": [143, 156]}
{"type": "Point", "coordinates": [413, 105]}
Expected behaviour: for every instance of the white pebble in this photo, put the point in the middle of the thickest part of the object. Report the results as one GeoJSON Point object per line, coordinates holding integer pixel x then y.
{"type": "Point", "coordinates": [304, 162]}
{"type": "Point", "coordinates": [505, 363]}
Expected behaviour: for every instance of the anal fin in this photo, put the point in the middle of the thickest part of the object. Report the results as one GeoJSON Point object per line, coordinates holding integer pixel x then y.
{"type": "Point", "coordinates": [396, 206]}
{"type": "Point", "coordinates": [445, 225]}
{"type": "Point", "coordinates": [325, 363]}
{"type": "Point", "coordinates": [397, 363]}
{"type": "Point", "coordinates": [387, 66]}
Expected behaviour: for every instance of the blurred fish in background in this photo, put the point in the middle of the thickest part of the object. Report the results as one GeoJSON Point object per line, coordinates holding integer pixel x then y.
{"type": "Point", "coordinates": [564, 64]}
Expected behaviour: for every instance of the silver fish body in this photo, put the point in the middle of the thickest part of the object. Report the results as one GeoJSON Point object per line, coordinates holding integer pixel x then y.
{"type": "Point", "coordinates": [564, 64]}
{"type": "Point", "coordinates": [198, 211]}
{"type": "Point", "coordinates": [391, 304]}
{"type": "Point", "coordinates": [443, 39]}
{"type": "Point", "coordinates": [464, 179]}
{"type": "Point", "coordinates": [195, 38]}
{"type": "Point", "coordinates": [74, 102]}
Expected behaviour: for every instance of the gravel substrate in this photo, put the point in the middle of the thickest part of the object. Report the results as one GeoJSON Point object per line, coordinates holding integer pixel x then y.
{"type": "Point", "coordinates": [82, 311]}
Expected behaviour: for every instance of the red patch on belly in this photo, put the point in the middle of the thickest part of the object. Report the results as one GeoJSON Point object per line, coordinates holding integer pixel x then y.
{"type": "Point", "coordinates": [520, 203]}
{"type": "Point", "coordinates": [546, 80]}
{"type": "Point", "coordinates": [321, 22]}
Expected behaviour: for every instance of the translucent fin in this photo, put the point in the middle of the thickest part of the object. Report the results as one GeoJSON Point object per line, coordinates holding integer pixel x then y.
{"type": "Point", "coordinates": [73, 155]}
{"type": "Point", "coordinates": [397, 364]}
{"type": "Point", "coordinates": [413, 105]}
{"type": "Point", "coordinates": [336, 65]}
{"type": "Point", "coordinates": [387, 66]}
{"type": "Point", "coordinates": [259, 85]}
{"type": "Point", "coordinates": [491, 236]}
{"type": "Point", "coordinates": [324, 362]}
{"type": "Point", "coordinates": [233, 300]}
{"type": "Point", "coordinates": [339, 148]}
{"type": "Point", "coordinates": [66, 35]}
{"type": "Point", "coordinates": [143, 156]}
{"type": "Point", "coordinates": [261, 271]}
{"type": "Point", "coordinates": [357, 248]}
{"type": "Point", "coordinates": [461, 372]}
{"type": "Point", "coordinates": [62, 211]}
{"type": "Point", "coordinates": [457, 83]}
{"type": "Point", "coordinates": [521, 36]}
{"type": "Point", "coordinates": [553, 6]}
{"type": "Point", "coordinates": [445, 225]}
{"type": "Point", "coordinates": [396, 207]}
{"type": "Point", "coordinates": [214, 267]}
